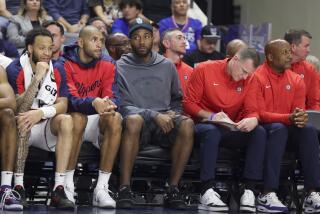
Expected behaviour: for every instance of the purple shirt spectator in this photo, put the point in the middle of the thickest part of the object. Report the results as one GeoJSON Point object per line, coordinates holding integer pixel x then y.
{"type": "Point", "coordinates": [120, 26]}
{"type": "Point", "coordinates": [191, 30]}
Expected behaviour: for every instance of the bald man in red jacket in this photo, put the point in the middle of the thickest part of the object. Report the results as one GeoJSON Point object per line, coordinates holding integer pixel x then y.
{"type": "Point", "coordinates": [281, 100]}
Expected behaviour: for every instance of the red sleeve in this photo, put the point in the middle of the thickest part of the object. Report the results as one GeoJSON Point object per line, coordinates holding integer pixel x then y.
{"type": "Point", "coordinates": [108, 80]}
{"type": "Point", "coordinates": [250, 102]}
{"type": "Point", "coordinates": [194, 92]}
{"type": "Point", "coordinates": [20, 83]}
{"type": "Point", "coordinates": [299, 96]}
{"type": "Point", "coordinates": [313, 96]}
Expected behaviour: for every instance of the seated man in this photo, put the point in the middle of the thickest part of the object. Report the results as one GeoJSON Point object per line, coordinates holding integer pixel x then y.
{"type": "Point", "coordinates": [92, 93]}
{"type": "Point", "coordinates": [117, 44]}
{"type": "Point", "coordinates": [174, 44]}
{"type": "Point", "coordinates": [281, 100]}
{"type": "Point", "coordinates": [223, 89]}
{"type": "Point", "coordinates": [8, 143]}
{"type": "Point", "coordinates": [151, 107]}
{"type": "Point", "coordinates": [73, 14]}
{"type": "Point", "coordinates": [207, 47]}
{"type": "Point", "coordinates": [57, 31]}
{"type": "Point", "coordinates": [41, 104]}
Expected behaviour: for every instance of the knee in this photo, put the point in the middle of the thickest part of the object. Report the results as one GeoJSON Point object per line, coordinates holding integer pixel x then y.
{"type": "Point", "coordinates": [208, 131]}
{"type": "Point", "coordinates": [134, 124]}
{"type": "Point", "coordinates": [114, 123]}
{"type": "Point", "coordinates": [279, 127]}
{"type": "Point", "coordinates": [7, 118]}
{"type": "Point", "coordinates": [66, 123]}
{"type": "Point", "coordinates": [187, 127]}
{"type": "Point", "coordinates": [79, 122]}
{"type": "Point", "coordinates": [260, 132]}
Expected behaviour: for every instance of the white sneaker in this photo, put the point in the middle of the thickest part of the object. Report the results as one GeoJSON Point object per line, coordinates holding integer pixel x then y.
{"type": "Point", "coordinates": [102, 198]}
{"type": "Point", "coordinates": [211, 201]}
{"type": "Point", "coordinates": [311, 203]}
{"type": "Point", "coordinates": [69, 190]}
{"type": "Point", "coordinates": [247, 201]}
{"type": "Point", "coordinates": [269, 203]}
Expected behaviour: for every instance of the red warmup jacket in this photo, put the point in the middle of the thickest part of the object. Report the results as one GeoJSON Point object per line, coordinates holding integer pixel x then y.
{"type": "Point", "coordinates": [212, 89]}
{"type": "Point", "coordinates": [184, 72]}
{"type": "Point", "coordinates": [278, 94]}
{"type": "Point", "coordinates": [309, 74]}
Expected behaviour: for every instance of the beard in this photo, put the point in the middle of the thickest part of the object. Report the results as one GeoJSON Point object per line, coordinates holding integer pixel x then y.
{"type": "Point", "coordinates": [34, 59]}
{"type": "Point", "coordinates": [91, 54]}
{"type": "Point", "coordinates": [142, 54]}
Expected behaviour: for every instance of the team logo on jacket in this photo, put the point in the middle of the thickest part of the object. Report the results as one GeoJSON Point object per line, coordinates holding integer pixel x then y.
{"type": "Point", "coordinates": [185, 77]}
{"type": "Point", "coordinates": [288, 87]}
{"type": "Point", "coordinates": [302, 76]}
{"type": "Point", "coordinates": [239, 89]}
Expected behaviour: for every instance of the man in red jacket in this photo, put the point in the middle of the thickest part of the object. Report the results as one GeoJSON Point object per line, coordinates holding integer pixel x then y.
{"type": "Point", "coordinates": [300, 46]}
{"type": "Point", "coordinates": [223, 89]}
{"type": "Point", "coordinates": [281, 101]}
{"type": "Point", "coordinates": [174, 44]}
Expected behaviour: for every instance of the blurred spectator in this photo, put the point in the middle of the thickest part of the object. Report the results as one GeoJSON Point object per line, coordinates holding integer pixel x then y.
{"type": "Point", "coordinates": [179, 19]}
{"type": "Point", "coordinates": [31, 15]}
{"type": "Point", "coordinates": [98, 23]}
{"type": "Point", "coordinates": [105, 10]}
{"type": "Point", "coordinates": [73, 14]}
{"type": "Point", "coordinates": [156, 37]}
{"type": "Point", "coordinates": [131, 9]}
{"type": "Point", "coordinates": [8, 49]}
{"type": "Point", "coordinates": [8, 8]}
{"type": "Point", "coordinates": [314, 61]}
{"type": "Point", "coordinates": [117, 44]}
{"type": "Point", "coordinates": [57, 31]}
{"type": "Point", "coordinates": [234, 46]}
{"type": "Point", "coordinates": [207, 47]}
{"type": "Point", "coordinates": [4, 61]}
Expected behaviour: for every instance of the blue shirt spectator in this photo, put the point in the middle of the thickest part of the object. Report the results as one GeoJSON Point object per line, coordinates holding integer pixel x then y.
{"type": "Point", "coordinates": [73, 14]}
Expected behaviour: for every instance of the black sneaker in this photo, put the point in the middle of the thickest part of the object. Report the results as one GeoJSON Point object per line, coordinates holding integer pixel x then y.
{"type": "Point", "coordinates": [22, 192]}
{"type": "Point", "coordinates": [59, 199]}
{"type": "Point", "coordinates": [125, 198]}
{"type": "Point", "coordinates": [173, 199]}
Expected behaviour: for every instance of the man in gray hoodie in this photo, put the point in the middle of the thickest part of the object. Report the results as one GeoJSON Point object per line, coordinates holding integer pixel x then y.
{"type": "Point", "coordinates": [151, 107]}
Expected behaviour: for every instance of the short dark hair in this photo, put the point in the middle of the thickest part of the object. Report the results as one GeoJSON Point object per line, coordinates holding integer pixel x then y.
{"type": "Point", "coordinates": [94, 19]}
{"type": "Point", "coordinates": [293, 36]}
{"type": "Point", "coordinates": [249, 53]}
{"type": "Point", "coordinates": [48, 23]}
{"type": "Point", "coordinates": [32, 34]}
{"type": "Point", "coordinates": [137, 3]}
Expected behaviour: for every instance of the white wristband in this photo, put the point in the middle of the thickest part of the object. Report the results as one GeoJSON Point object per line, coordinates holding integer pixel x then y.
{"type": "Point", "coordinates": [48, 112]}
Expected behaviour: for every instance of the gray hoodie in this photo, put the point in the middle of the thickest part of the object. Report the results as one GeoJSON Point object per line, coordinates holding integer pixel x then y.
{"type": "Point", "coordinates": [148, 88]}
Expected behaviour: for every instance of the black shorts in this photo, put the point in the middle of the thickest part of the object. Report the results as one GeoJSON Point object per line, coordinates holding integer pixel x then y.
{"type": "Point", "coordinates": [152, 134]}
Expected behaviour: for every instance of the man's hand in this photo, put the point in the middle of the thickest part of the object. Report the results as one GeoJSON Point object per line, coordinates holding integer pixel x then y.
{"type": "Point", "coordinates": [299, 117]}
{"type": "Point", "coordinates": [220, 115]}
{"type": "Point", "coordinates": [41, 69]}
{"type": "Point", "coordinates": [74, 28]}
{"type": "Point", "coordinates": [165, 122]}
{"type": "Point", "coordinates": [27, 120]}
{"type": "Point", "coordinates": [103, 105]}
{"type": "Point", "coordinates": [247, 124]}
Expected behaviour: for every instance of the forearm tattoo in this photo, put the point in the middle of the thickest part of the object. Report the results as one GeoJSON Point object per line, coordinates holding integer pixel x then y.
{"type": "Point", "coordinates": [24, 104]}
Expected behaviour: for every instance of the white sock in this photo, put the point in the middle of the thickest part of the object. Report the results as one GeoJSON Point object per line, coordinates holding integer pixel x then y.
{"type": "Point", "coordinates": [18, 179]}
{"type": "Point", "coordinates": [69, 178]}
{"type": "Point", "coordinates": [103, 179]}
{"type": "Point", "coordinates": [6, 178]}
{"type": "Point", "coordinates": [59, 179]}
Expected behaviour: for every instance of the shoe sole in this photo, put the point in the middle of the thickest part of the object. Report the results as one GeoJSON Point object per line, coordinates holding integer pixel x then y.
{"type": "Point", "coordinates": [214, 209]}
{"type": "Point", "coordinates": [16, 207]}
{"type": "Point", "coordinates": [265, 210]}
{"type": "Point", "coordinates": [106, 206]}
{"type": "Point", "coordinates": [124, 204]}
{"type": "Point", "coordinates": [310, 210]}
{"type": "Point", "coordinates": [248, 209]}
